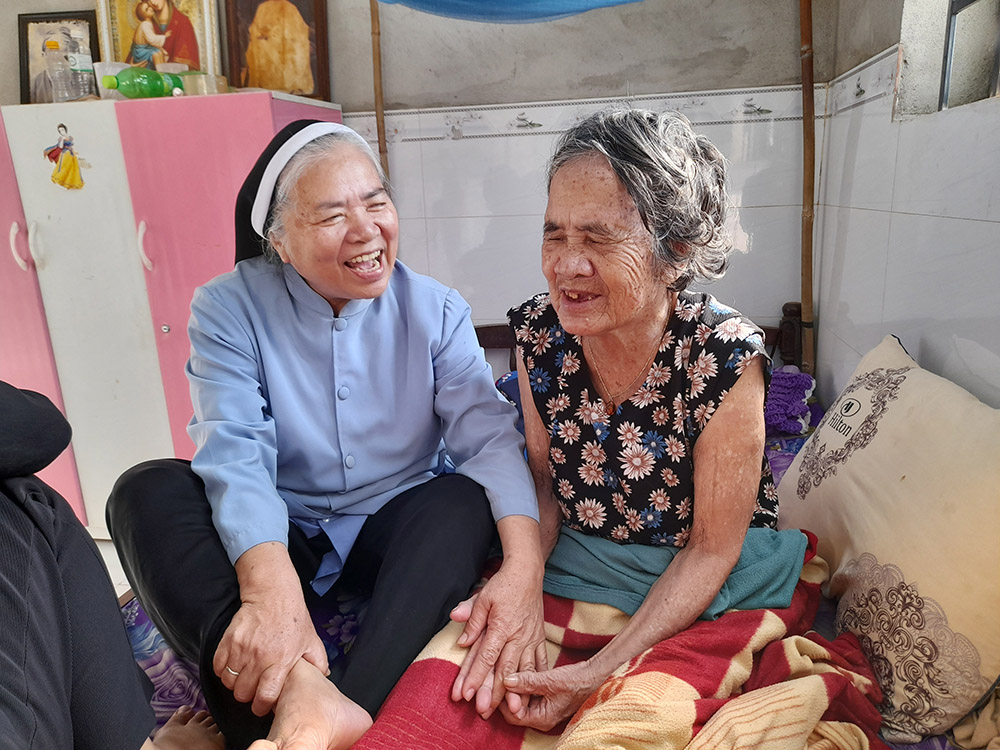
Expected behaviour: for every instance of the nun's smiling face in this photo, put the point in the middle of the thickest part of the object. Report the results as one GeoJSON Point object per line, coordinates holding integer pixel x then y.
{"type": "Point", "coordinates": [341, 230]}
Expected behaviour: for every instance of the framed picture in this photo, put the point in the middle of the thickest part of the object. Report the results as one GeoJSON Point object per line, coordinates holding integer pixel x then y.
{"type": "Point", "coordinates": [34, 29]}
{"type": "Point", "coordinates": [148, 33]}
{"type": "Point", "coordinates": [278, 45]}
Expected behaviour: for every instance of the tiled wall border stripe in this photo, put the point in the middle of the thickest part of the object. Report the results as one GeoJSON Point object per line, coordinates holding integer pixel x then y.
{"type": "Point", "coordinates": [860, 102]}
{"type": "Point", "coordinates": [872, 80]}
{"type": "Point", "coordinates": [584, 102]}
{"type": "Point", "coordinates": [870, 62]}
{"type": "Point", "coordinates": [722, 107]}
{"type": "Point", "coordinates": [550, 132]}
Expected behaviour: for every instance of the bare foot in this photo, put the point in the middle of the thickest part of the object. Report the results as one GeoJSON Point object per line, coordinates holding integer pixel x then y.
{"type": "Point", "coordinates": [311, 714]}
{"type": "Point", "coordinates": [187, 730]}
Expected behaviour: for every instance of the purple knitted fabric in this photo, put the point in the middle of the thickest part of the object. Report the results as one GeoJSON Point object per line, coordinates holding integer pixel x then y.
{"type": "Point", "coordinates": [786, 410]}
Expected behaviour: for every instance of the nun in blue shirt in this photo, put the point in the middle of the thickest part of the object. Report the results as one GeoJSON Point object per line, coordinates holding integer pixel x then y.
{"type": "Point", "coordinates": [349, 437]}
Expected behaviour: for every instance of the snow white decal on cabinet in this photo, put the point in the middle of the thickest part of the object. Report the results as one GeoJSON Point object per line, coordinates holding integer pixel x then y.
{"type": "Point", "coordinates": [68, 163]}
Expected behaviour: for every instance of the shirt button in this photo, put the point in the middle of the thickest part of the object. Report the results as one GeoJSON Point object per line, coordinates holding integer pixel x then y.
{"type": "Point", "coordinates": [343, 392]}
{"type": "Point", "coordinates": [349, 462]}
{"type": "Point", "coordinates": [340, 323]}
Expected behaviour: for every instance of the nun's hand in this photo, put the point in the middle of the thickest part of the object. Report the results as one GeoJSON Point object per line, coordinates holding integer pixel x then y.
{"type": "Point", "coordinates": [270, 632]}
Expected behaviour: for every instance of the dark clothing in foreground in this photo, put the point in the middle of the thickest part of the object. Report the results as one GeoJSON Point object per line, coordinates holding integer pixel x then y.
{"type": "Point", "coordinates": [68, 679]}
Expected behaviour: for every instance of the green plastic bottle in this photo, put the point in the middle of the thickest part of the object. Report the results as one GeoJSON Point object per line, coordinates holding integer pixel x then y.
{"type": "Point", "coordinates": [143, 83]}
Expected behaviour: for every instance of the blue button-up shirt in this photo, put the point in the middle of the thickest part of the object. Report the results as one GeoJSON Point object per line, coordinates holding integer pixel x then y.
{"type": "Point", "coordinates": [300, 414]}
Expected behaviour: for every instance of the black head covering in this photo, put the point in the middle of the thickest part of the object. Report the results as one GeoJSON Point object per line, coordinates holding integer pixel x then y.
{"type": "Point", "coordinates": [249, 244]}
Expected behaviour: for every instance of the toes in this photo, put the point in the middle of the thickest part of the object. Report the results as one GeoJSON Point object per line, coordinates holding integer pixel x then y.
{"type": "Point", "coordinates": [181, 716]}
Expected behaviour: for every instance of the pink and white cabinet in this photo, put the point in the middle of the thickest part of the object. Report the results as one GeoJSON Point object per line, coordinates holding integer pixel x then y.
{"type": "Point", "coordinates": [117, 259]}
{"type": "Point", "coordinates": [25, 352]}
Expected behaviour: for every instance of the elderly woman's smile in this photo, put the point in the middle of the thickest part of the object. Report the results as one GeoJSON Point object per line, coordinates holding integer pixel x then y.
{"type": "Point", "coordinates": [341, 229]}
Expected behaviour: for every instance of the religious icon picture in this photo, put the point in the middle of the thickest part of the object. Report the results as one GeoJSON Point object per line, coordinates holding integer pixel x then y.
{"type": "Point", "coordinates": [157, 33]}
{"type": "Point", "coordinates": [278, 45]}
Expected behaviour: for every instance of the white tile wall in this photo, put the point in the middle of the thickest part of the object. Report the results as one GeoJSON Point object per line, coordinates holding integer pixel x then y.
{"type": "Point", "coordinates": [941, 299]}
{"type": "Point", "coordinates": [406, 175]}
{"type": "Point", "coordinates": [909, 240]}
{"type": "Point", "coordinates": [486, 177]}
{"type": "Point", "coordinates": [759, 282]}
{"type": "Point", "coordinates": [493, 261]}
{"type": "Point", "coordinates": [852, 271]}
{"type": "Point", "coordinates": [413, 244]}
{"type": "Point", "coordinates": [948, 164]}
{"type": "Point", "coordinates": [861, 146]}
{"type": "Point", "coordinates": [765, 160]}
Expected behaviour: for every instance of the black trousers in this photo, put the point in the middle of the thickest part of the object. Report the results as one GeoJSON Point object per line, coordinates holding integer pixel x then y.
{"type": "Point", "coordinates": [418, 557]}
{"type": "Point", "coordinates": [68, 679]}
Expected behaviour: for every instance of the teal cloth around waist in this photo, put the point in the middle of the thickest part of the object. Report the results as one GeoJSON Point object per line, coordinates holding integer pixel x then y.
{"type": "Point", "coordinates": [592, 569]}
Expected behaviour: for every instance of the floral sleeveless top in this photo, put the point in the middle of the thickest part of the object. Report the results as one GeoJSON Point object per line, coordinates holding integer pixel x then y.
{"type": "Point", "coordinates": [629, 477]}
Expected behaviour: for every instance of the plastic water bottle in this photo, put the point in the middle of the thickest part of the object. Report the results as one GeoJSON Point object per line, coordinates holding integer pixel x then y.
{"type": "Point", "coordinates": [143, 83]}
{"type": "Point", "coordinates": [59, 72]}
{"type": "Point", "coordinates": [82, 65]}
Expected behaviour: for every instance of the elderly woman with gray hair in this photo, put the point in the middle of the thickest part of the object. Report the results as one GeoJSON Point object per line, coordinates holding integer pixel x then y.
{"type": "Point", "coordinates": [643, 401]}
{"type": "Point", "coordinates": [348, 438]}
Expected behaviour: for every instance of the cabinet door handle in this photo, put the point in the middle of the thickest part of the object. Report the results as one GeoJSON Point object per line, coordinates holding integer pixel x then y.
{"type": "Point", "coordinates": [140, 241]}
{"type": "Point", "coordinates": [21, 262]}
{"type": "Point", "coordinates": [34, 246]}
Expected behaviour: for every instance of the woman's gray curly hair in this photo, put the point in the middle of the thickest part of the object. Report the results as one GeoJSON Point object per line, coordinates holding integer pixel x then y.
{"type": "Point", "coordinates": [304, 158]}
{"type": "Point", "coordinates": [675, 177]}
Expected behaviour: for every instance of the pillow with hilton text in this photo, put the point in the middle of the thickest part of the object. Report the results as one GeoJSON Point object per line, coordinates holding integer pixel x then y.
{"type": "Point", "coordinates": [901, 483]}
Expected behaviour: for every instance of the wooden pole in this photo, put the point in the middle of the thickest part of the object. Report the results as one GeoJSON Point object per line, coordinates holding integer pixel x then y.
{"type": "Point", "coordinates": [808, 185]}
{"type": "Point", "coordinates": [383, 150]}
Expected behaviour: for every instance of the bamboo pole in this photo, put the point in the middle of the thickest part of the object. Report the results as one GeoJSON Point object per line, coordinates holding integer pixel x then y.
{"type": "Point", "coordinates": [808, 185]}
{"type": "Point", "coordinates": [383, 150]}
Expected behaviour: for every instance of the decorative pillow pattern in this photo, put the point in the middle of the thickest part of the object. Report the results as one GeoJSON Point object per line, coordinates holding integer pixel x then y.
{"type": "Point", "coordinates": [901, 483]}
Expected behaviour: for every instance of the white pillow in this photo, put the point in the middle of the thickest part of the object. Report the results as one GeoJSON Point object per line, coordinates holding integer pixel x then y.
{"type": "Point", "coordinates": [901, 483]}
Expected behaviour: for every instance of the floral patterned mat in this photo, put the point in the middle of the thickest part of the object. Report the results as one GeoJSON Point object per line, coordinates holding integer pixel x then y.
{"type": "Point", "coordinates": [175, 679]}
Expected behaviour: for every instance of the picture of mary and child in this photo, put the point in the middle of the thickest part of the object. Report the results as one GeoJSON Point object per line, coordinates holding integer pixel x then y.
{"type": "Point", "coordinates": [163, 34]}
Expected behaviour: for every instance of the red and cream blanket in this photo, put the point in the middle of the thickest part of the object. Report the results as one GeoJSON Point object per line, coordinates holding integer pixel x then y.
{"type": "Point", "coordinates": [751, 679]}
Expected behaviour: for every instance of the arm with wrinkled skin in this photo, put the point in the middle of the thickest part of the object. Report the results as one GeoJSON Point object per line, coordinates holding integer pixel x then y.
{"type": "Point", "coordinates": [726, 477]}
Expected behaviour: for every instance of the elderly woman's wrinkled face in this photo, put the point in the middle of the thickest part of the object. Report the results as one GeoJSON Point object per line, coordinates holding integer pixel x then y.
{"type": "Point", "coordinates": [597, 255]}
{"type": "Point", "coordinates": [341, 229]}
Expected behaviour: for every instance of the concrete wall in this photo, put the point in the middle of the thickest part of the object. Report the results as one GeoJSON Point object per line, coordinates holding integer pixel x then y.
{"type": "Point", "coordinates": [922, 38]}
{"type": "Point", "coordinates": [639, 48]}
{"type": "Point", "coordinates": [863, 29]}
